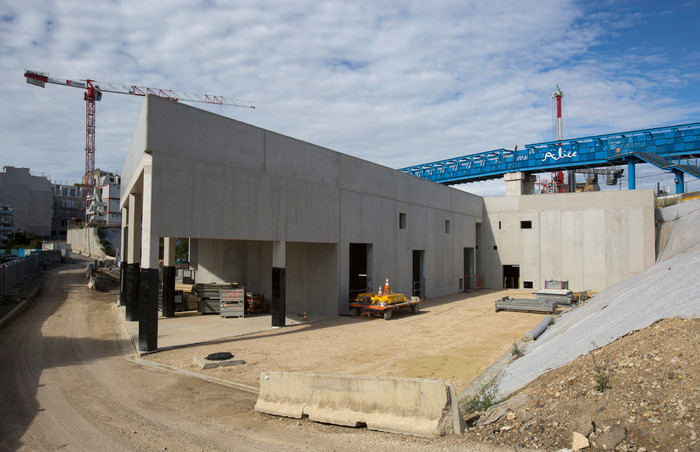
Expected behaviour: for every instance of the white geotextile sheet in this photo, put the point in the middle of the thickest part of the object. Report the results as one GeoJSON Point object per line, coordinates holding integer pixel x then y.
{"type": "Point", "coordinates": [669, 288]}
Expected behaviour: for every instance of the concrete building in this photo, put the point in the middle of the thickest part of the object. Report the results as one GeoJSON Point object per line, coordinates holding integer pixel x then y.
{"type": "Point", "coordinates": [68, 201]}
{"type": "Point", "coordinates": [302, 223]}
{"type": "Point", "coordinates": [310, 226]}
{"type": "Point", "coordinates": [7, 223]}
{"type": "Point", "coordinates": [103, 202]}
{"type": "Point", "coordinates": [30, 197]}
{"type": "Point", "coordinates": [592, 240]}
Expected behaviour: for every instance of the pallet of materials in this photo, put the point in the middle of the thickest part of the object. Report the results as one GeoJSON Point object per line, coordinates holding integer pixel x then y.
{"type": "Point", "coordinates": [209, 296]}
{"type": "Point", "coordinates": [526, 304]}
{"type": "Point", "coordinates": [561, 296]}
{"type": "Point", "coordinates": [232, 302]}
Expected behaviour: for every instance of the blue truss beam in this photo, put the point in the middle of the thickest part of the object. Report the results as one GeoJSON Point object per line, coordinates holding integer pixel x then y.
{"type": "Point", "coordinates": [672, 144]}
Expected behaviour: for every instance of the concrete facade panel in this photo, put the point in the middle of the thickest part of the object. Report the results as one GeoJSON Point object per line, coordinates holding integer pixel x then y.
{"type": "Point", "coordinates": [551, 245]}
{"type": "Point", "coordinates": [594, 264]}
{"type": "Point", "coordinates": [585, 238]}
{"type": "Point", "coordinates": [572, 248]}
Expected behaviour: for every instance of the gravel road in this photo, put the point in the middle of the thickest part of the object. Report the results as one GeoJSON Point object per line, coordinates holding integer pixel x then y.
{"type": "Point", "coordinates": [65, 384]}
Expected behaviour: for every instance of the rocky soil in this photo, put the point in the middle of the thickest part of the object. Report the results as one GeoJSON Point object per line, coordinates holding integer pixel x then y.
{"type": "Point", "coordinates": [639, 393]}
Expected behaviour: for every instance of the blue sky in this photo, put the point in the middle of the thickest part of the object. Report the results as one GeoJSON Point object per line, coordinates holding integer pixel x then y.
{"type": "Point", "coordinates": [397, 83]}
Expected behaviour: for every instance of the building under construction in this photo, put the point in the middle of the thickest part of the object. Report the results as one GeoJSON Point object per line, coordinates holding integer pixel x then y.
{"type": "Point", "coordinates": [307, 226]}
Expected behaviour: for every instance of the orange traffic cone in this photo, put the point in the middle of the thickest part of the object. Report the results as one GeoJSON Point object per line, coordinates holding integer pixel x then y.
{"type": "Point", "coordinates": [387, 289]}
{"type": "Point", "coordinates": [305, 317]}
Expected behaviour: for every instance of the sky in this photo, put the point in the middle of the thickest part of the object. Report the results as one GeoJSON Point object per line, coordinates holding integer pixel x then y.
{"type": "Point", "coordinates": [395, 82]}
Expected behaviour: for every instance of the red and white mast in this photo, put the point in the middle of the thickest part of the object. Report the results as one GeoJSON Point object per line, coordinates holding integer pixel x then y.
{"type": "Point", "coordinates": [558, 95]}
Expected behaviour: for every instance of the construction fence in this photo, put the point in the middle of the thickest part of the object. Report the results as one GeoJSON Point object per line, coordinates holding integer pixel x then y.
{"type": "Point", "coordinates": [14, 275]}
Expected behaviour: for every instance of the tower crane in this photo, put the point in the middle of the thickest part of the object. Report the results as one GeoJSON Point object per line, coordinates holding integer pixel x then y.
{"type": "Point", "coordinates": [93, 93]}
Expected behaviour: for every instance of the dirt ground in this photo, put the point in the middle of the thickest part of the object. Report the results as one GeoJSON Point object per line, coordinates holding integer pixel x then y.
{"type": "Point", "coordinates": [455, 338]}
{"type": "Point", "coordinates": [650, 398]}
{"type": "Point", "coordinates": [67, 384]}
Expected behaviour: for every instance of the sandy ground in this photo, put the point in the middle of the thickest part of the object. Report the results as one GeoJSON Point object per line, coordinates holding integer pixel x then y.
{"type": "Point", "coordinates": [67, 383]}
{"type": "Point", "coordinates": [454, 338]}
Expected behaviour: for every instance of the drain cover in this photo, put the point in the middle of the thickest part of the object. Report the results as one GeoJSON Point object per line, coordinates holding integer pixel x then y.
{"type": "Point", "coordinates": [219, 356]}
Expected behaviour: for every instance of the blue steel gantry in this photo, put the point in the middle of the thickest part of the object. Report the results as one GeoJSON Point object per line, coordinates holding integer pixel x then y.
{"type": "Point", "coordinates": [669, 148]}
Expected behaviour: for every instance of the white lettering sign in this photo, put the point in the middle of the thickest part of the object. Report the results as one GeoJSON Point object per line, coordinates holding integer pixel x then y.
{"type": "Point", "coordinates": [559, 155]}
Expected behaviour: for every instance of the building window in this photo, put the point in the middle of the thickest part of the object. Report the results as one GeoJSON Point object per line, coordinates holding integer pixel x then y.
{"type": "Point", "coordinates": [402, 221]}
{"type": "Point", "coordinates": [447, 226]}
{"type": "Point", "coordinates": [495, 247]}
{"type": "Point", "coordinates": [527, 284]}
{"type": "Point", "coordinates": [526, 225]}
{"type": "Point", "coordinates": [499, 225]}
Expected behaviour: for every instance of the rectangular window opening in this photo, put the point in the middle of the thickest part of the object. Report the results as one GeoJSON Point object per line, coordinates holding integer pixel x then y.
{"type": "Point", "coordinates": [526, 225]}
{"type": "Point", "coordinates": [499, 225]}
{"type": "Point", "coordinates": [447, 226]}
{"type": "Point", "coordinates": [527, 284]}
{"type": "Point", "coordinates": [402, 221]}
{"type": "Point", "coordinates": [495, 247]}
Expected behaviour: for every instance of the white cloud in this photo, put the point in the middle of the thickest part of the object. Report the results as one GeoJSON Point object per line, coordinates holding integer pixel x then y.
{"type": "Point", "coordinates": [397, 84]}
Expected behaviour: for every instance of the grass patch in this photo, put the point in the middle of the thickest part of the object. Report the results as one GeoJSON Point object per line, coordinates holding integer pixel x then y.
{"type": "Point", "coordinates": [481, 401]}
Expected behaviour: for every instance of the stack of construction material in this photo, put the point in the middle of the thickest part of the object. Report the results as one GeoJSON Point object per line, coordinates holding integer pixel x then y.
{"type": "Point", "coordinates": [210, 295]}
{"type": "Point", "coordinates": [232, 302]}
{"type": "Point", "coordinates": [561, 296]}
{"type": "Point", "coordinates": [556, 284]}
{"type": "Point", "coordinates": [526, 304]}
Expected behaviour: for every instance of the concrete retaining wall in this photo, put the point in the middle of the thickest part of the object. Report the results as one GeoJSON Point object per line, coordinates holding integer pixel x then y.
{"type": "Point", "coordinates": [87, 242]}
{"type": "Point", "coordinates": [410, 406]}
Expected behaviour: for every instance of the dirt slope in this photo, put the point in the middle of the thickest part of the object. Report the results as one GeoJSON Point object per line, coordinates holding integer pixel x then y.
{"type": "Point", "coordinates": [652, 402]}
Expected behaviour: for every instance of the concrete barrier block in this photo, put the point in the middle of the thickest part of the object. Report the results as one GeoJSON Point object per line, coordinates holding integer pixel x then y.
{"type": "Point", "coordinates": [411, 406]}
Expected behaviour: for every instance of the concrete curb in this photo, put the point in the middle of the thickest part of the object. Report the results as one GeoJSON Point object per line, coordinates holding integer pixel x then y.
{"type": "Point", "coordinates": [131, 354]}
{"type": "Point", "coordinates": [14, 313]}
{"type": "Point", "coordinates": [409, 406]}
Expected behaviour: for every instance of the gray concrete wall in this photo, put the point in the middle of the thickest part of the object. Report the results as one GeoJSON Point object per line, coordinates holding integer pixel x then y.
{"type": "Point", "coordinates": [30, 197]}
{"type": "Point", "coordinates": [218, 180]}
{"type": "Point", "coordinates": [593, 240]}
{"type": "Point", "coordinates": [86, 242]}
{"type": "Point", "coordinates": [409, 406]}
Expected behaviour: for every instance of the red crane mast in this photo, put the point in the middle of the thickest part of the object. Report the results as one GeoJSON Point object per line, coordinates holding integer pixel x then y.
{"type": "Point", "coordinates": [93, 93]}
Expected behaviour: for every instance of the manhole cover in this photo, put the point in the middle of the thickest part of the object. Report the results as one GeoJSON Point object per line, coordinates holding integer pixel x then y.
{"type": "Point", "coordinates": [219, 356]}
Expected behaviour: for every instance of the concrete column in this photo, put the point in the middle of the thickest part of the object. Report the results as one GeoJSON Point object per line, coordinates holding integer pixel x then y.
{"type": "Point", "coordinates": [133, 252]}
{"type": "Point", "coordinates": [632, 180]}
{"type": "Point", "coordinates": [519, 183]}
{"type": "Point", "coordinates": [149, 284]}
{"type": "Point", "coordinates": [278, 301]}
{"type": "Point", "coordinates": [169, 277]}
{"type": "Point", "coordinates": [148, 310]}
{"type": "Point", "coordinates": [680, 181]}
{"type": "Point", "coordinates": [193, 254]}
{"type": "Point", "coordinates": [122, 261]}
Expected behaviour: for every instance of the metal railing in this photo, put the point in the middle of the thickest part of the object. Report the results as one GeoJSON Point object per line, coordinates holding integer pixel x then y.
{"type": "Point", "coordinates": [419, 289]}
{"type": "Point", "coordinates": [474, 281]}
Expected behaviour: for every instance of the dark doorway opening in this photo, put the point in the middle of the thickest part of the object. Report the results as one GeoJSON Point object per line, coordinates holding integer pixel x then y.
{"type": "Point", "coordinates": [469, 276]}
{"type": "Point", "coordinates": [358, 280]}
{"type": "Point", "coordinates": [511, 276]}
{"type": "Point", "coordinates": [418, 276]}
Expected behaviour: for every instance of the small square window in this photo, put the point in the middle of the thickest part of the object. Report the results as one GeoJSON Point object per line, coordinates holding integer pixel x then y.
{"type": "Point", "coordinates": [495, 247]}
{"type": "Point", "coordinates": [526, 225]}
{"type": "Point", "coordinates": [402, 221]}
{"type": "Point", "coordinates": [527, 284]}
{"type": "Point", "coordinates": [447, 226]}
